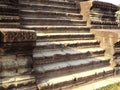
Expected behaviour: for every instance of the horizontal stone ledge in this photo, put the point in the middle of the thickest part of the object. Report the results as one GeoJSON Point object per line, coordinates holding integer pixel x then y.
{"type": "Point", "coordinates": [17, 35]}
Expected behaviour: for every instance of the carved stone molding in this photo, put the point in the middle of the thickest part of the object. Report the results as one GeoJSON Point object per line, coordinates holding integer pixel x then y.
{"type": "Point", "coordinates": [17, 36]}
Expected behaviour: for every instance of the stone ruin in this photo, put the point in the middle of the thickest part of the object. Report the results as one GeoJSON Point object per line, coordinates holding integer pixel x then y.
{"type": "Point", "coordinates": [99, 15]}
{"type": "Point", "coordinates": [50, 45]}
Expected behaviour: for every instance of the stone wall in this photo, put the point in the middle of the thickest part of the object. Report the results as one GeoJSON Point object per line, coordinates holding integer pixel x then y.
{"type": "Point", "coordinates": [16, 64]}
{"type": "Point", "coordinates": [16, 47]}
{"type": "Point", "coordinates": [110, 41]}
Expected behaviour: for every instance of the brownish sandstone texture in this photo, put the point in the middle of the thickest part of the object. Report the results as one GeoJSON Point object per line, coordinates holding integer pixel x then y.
{"type": "Point", "coordinates": [49, 44]}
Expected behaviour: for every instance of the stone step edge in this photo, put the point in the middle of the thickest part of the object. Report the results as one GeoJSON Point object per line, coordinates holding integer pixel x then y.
{"type": "Point", "coordinates": [66, 51]}
{"type": "Point", "coordinates": [9, 16]}
{"type": "Point", "coordinates": [74, 77]}
{"type": "Point", "coordinates": [96, 84]}
{"type": "Point", "coordinates": [62, 2]}
{"type": "Point", "coordinates": [62, 44]}
{"type": "Point", "coordinates": [52, 56]}
{"type": "Point", "coordinates": [62, 34]}
{"type": "Point", "coordinates": [52, 19]}
{"type": "Point", "coordinates": [66, 64]}
{"type": "Point", "coordinates": [43, 5]}
{"type": "Point", "coordinates": [40, 11]}
{"type": "Point", "coordinates": [66, 43]}
{"type": "Point", "coordinates": [52, 27]}
{"type": "Point", "coordinates": [9, 23]}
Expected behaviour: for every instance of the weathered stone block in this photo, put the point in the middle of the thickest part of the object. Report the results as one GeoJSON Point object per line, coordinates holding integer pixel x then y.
{"type": "Point", "coordinates": [8, 73]}
{"type": "Point", "coordinates": [8, 62]}
{"type": "Point", "coordinates": [12, 65]}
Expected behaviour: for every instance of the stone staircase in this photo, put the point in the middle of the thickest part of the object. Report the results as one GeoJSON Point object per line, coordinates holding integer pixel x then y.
{"type": "Point", "coordinates": [9, 16]}
{"type": "Point", "coordinates": [66, 52]}
{"type": "Point", "coordinates": [99, 15]}
{"type": "Point", "coordinates": [103, 16]}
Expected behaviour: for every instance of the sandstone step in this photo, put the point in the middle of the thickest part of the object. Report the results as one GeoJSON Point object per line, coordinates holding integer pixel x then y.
{"type": "Point", "coordinates": [56, 29]}
{"type": "Point", "coordinates": [62, 44]}
{"type": "Point", "coordinates": [23, 82]}
{"type": "Point", "coordinates": [64, 36]}
{"type": "Point", "coordinates": [97, 84]}
{"type": "Point", "coordinates": [76, 78]}
{"type": "Point", "coordinates": [49, 8]}
{"type": "Point", "coordinates": [7, 10]}
{"type": "Point", "coordinates": [10, 25]}
{"type": "Point", "coordinates": [52, 21]}
{"type": "Point", "coordinates": [49, 2]}
{"type": "Point", "coordinates": [50, 14]}
{"type": "Point", "coordinates": [65, 54]}
{"type": "Point", "coordinates": [71, 66]}
{"type": "Point", "coordinates": [9, 17]}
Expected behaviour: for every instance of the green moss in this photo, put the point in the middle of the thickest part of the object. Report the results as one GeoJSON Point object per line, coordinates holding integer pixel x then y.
{"type": "Point", "coordinates": [115, 86]}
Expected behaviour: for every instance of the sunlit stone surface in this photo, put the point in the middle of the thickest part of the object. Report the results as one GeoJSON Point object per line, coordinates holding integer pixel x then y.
{"type": "Point", "coordinates": [48, 45]}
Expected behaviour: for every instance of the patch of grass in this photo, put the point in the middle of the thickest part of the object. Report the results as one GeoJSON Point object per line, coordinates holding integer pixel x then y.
{"type": "Point", "coordinates": [115, 86]}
